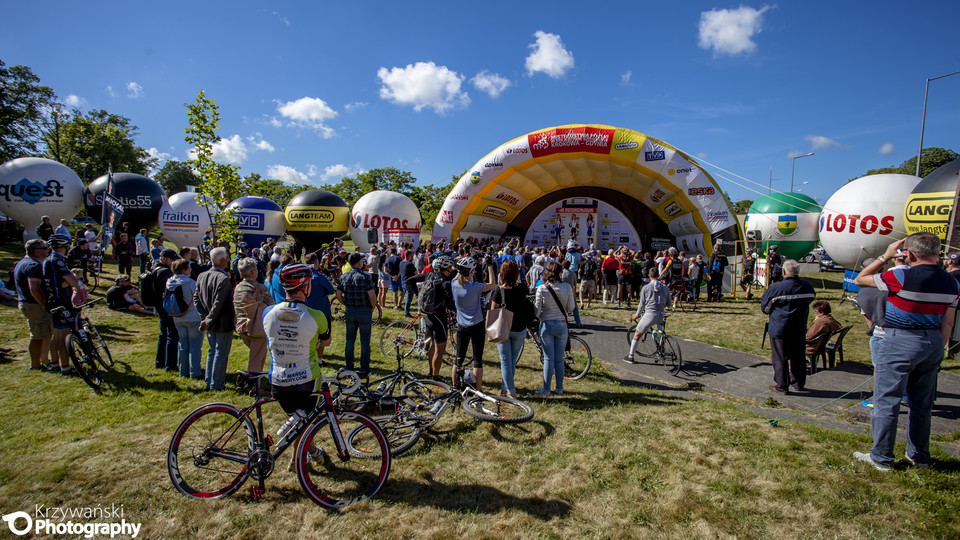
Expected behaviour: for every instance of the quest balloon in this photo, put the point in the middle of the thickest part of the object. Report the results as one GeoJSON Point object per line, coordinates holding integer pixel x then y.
{"type": "Point", "coordinates": [393, 215]}
{"type": "Point", "coordinates": [258, 218]}
{"type": "Point", "coordinates": [183, 220]}
{"type": "Point", "coordinates": [316, 217]}
{"type": "Point", "coordinates": [31, 188]}
{"type": "Point", "coordinates": [140, 196]}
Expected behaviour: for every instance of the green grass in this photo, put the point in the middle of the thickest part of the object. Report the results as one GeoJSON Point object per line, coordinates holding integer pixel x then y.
{"type": "Point", "coordinates": [603, 461]}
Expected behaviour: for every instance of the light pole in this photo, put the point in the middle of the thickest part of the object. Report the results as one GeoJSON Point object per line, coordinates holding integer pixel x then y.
{"type": "Point", "coordinates": [84, 165]}
{"type": "Point", "coordinates": [923, 121]}
{"type": "Point", "coordinates": [794, 167]}
{"type": "Point", "coordinates": [770, 189]}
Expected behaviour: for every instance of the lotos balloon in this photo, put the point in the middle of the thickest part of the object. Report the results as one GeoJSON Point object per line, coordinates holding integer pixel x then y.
{"type": "Point", "coordinates": [393, 214]}
{"type": "Point", "coordinates": [928, 207]}
{"type": "Point", "coordinates": [259, 218]}
{"type": "Point", "coordinates": [786, 220]}
{"type": "Point", "coordinates": [863, 217]}
{"type": "Point", "coordinates": [31, 188]}
{"type": "Point", "coordinates": [316, 217]}
{"type": "Point", "coordinates": [140, 196]}
{"type": "Point", "coordinates": [183, 220]}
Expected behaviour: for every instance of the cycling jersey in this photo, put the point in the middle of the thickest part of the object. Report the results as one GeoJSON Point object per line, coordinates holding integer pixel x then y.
{"type": "Point", "coordinates": [292, 331]}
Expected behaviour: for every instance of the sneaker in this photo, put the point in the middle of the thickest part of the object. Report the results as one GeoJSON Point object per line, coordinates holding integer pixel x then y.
{"type": "Point", "coordinates": [629, 360]}
{"type": "Point", "coordinates": [542, 392]}
{"type": "Point", "coordinates": [68, 371]}
{"type": "Point", "coordinates": [916, 464]}
{"type": "Point", "coordinates": [50, 368]}
{"type": "Point", "coordinates": [867, 403]}
{"type": "Point", "coordinates": [867, 458]}
{"type": "Point", "coordinates": [558, 392]}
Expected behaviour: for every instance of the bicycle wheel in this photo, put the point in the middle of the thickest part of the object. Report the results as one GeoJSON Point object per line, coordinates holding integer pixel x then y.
{"type": "Point", "coordinates": [398, 335]}
{"type": "Point", "coordinates": [402, 430]}
{"type": "Point", "coordinates": [337, 479]}
{"type": "Point", "coordinates": [647, 347]}
{"type": "Point", "coordinates": [377, 315]}
{"type": "Point", "coordinates": [672, 359]}
{"type": "Point", "coordinates": [99, 344]}
{"type": "Point", "coordinates": [419, 392]}
{"type": "Point", "coordinates": [451, 358]}
{"type": "Point", "coordinates": [576, 361]}
{"type": "Point", "coordinates": [209, 452]}
{"type": "Point", "coordinates": [498, 409]}
{"type": "Point", "coordinates": [84, 361]}
{"type": "Point", "coordinates": [93, 280]}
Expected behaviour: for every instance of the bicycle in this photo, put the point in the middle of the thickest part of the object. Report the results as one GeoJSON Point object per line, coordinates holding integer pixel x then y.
{"type": "Point", "coordinates": [664, 349]}
{"type": "Point", "coordinates": [338, 312]}
{"type": "Point", "coordinates": [408, 337]}
{"type": "Point", "coordinates": [577, 357]}
{"type": "Point", "coordinates": [380, 391]}
{"type": "Point", "coordinates": [92, 274]}
{"type": "Point", "coordinates": [86, 346]}
{"type": "Point", "coordinates": [686, 300]}
{"type": "Point", "coordinates": [218, 446]}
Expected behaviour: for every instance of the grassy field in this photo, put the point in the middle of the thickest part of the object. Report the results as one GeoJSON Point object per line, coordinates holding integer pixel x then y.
{"type": "Point", "coordinates": [605, 460]}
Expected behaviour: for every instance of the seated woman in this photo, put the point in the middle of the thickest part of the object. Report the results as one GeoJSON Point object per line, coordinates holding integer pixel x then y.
{"type": "Point", "coordinates": [823, 322]}
{"type": "Point", "coordinates": [123, 296]}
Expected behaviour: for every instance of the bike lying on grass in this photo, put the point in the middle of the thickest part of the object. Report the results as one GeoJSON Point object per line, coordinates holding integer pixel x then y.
{"type": "Point", "coordinates": [219, 446]}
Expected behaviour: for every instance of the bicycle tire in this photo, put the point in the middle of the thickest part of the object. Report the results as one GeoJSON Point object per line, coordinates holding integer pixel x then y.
{"type": "Point", "coordinates": [450, 359]}
{"type": "Point", "coordinates": [100, 345]}
{"type": "Point", "coordinates": [377, 315]}
{"type": "Point", "coordinates": [400, 335]}
{"type": "Point", "coordinates": [208, 456]}
{"type": "Point", "coordinates": [647, 347]}
{"type": "Point", "coordinates": [577, 361]}
{"type": "Point", "coordinates": [93, 281]}
{"type": "Point", "coordinates": [672, 358]}
{"type": "Point", "coordinates": [340, 479]}
{"type": "Point", "coordinates": [498, 409]}
{"type": "Point", "coordinates": [84, 361]}
{"type": "Point", "coordinates": [402, 430]}
{"type": "Point", "coordinates": [419, 392]}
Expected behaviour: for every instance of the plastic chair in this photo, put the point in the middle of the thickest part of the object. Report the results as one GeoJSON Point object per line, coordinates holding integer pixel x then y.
{"type": "Point", "coordinates": [837, 346]}
{"type": "Point", "coordinates": [820, 353]}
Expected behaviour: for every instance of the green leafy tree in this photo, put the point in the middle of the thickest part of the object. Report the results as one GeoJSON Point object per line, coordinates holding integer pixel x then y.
{"type": "Point", "coordinates": [351, 188]}
{"type": "Point", "coordinates": [275, 190]}
{"type": "Point", "coordinates": [175, 176]}
{"type": "Point", "coordinates": [429, 199]}
{"type": "Point", "coordinates": [741, 207]}
{"type": "Point", "coordinates": [931, 159]}
{"type": "Point", "coordinates": [23, 102]}
{"type": "Point", "coordinates": [219, 182]}
{"type": "Point", "coordinates": [97, 138]}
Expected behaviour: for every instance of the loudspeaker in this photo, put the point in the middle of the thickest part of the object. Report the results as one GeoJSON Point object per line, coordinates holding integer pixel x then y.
{"type": "Point", "coordinates": [373, 236]}
{"type": "Point", "coordinates": [754, 236]}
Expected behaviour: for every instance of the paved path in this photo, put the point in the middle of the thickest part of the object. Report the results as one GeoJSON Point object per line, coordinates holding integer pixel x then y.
{"type": "Point", "coordinates": [711, 372]}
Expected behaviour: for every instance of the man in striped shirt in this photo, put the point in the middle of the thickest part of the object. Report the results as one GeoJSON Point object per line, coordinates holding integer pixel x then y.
{"type": "Point", "coordinates": [921, 306]}
{"type": "Point", "coordinates": [788, 304]}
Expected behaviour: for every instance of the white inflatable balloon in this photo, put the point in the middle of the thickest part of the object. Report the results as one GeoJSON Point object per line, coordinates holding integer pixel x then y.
{"type": "Point", "coordinates": [183, 220]}
{"type": "Point", "coordinates": [863, 217]}
{"type": "Point", "coordinates": [31, 188]}
{"type": "Point", "coordinates": [393, 214]}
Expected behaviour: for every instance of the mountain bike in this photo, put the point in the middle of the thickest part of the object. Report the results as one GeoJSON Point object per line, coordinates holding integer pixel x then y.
{"type": "Point", "coordinates": [217, 447]}
{"type": "Point", "coordinates": [409, 337]}
{"type": "Point", "coordinates": [659, 346]}
{"type": "Point", "coordinates": [338, 312]}
{"type": "Point", "coordinates": [92, 273]}
{"type": "Point", "coordinates": [86, 346]}
{"type": "Point", "coordinates": [380, 391]}
{"type": "Point", "coordinates": [686, 299]}
{"type": "Point", "coordinates": [577, 357]}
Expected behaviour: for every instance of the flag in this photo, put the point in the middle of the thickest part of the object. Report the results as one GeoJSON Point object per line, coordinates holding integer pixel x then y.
{"type": "Point", "coordinates": [112, 212]}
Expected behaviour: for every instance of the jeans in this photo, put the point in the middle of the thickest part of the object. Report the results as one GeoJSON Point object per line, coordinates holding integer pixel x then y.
{"type": "Point", "coordinates": [509, 355]}
{"type": "Point", "coordinates": [576, 313]}
{"type": "Point", "coordinates": [553, 334]}
{"type": "Point", "coordinates": [167, 342]}
{"type": "Point", "coordinates": [191, 341]}
{"type": "Point", "coordinates": [409, 292]}
{"type": "Point", "coordinates": [908, 362]}
{"type": "Point", "coordinates": [357, 318]}
{"type": "Point", "coordinates": [217, 357]}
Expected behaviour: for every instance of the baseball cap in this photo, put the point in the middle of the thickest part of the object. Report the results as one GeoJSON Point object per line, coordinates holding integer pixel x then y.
{"type": "Point", "coordinates": [954, 257]}
{"type": "Point", "coordinates": [355, 258]}
{"type": "Point", "coordinates": [169, 254]}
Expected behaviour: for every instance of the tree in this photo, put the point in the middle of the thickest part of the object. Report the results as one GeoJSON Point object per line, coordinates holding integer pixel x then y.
{"type": "Point", "coordinates": [741, 207]}
{"type": "Point", "coordinates": [275, 190]}
{"type": "Point", "coordinates": [351, 188]}
{"type": "Point", "coordinates": [175, 176]}
{"type": "Point", "coordinates": [23, 102]}
{"type": "Point", "coordinates": [430, 199]}
{"type": "Point", "coordinates": [219, 182]}
{"type": "Point", "coordinates": [97, 138]}
{"type": "Point", "coordinates": [932, 158]}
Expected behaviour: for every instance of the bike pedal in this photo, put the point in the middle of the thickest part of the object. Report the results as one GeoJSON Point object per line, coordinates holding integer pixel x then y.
{"type": "Point", "coordinates": [257, 492]}
{"type": "Point", "coordinates": [269, 441]}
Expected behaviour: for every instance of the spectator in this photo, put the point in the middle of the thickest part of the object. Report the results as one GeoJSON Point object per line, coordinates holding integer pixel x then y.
{"type": "Point", "coordinates": [214, 299]}
{"type": "Point", "coordinates": [588, 279]}
{"type": "Point", "coordinates": [123, 251]}
{"type": "Point", "coordinates": [570, 277]}
{"type": "Point", "coordinates": [250, 299]}
{"type": "Point", "coordinates": [392, 269]}
{"type": "Point", "coordinates": [610, 266]}
{"type": "Point", "coordinates": [435, 319]}
{"type": "Point", "coordinates": [58, 284]}
{"type": "Point", "coordinates": [45, 229]}
{"type": "Point", "coordinates": [190, 339]}
{"type": "Point", "coordinates": [953, 268]}
{"type": "Point", "coordinates": [535, 274]}
{"type": "Point", "coordinates": [79, 257]}
{"type": "Point", "coordinates": [511, 295]}
{"type": "Point", "coordinates": [654, 299]}
{"type": "Point", "coordinates": [920, 310]}
{"type": "Point", "coordinates": [123, 296]}
{"type": "Point", "coordinates": [320, 291]}
{"type": "Point", "coordinates": [749, 264]}
{"type": "Point", "coordinates": [693, 277]}
{"type": "Point", "coordinates": [625, 257]}
{"type": "Point", "coordinates": [788, 304]}
{"type": "Point", "coordinates": [467, 294]}
{"type": "Point", "coordinates": [553, 300]}
{"type": "Point", "coordinates": [823, 321]}
{"type": "Point", "coordinates": [168, 341]}
{"type": "Point", "coordinates": [142, 249]}
{"type": "Point", "coordinates": [716, 265]}
{"type": "Point", "coordinates": [32, 301]}
{"type": "Point", "coordinates": [774, 264]}
{"type": "Point", "coordinates": [62, 229]}
{"type": "Point", "coordinates": [92, 237]}
{"type": "Point", "coordinates": [155, 250]}
{"type": "Point", "coordinates": [276, 289]}
{"type": "Point", "coordinates": [407, 271]}
{"type": "Point", "coordinates": [356, 293]}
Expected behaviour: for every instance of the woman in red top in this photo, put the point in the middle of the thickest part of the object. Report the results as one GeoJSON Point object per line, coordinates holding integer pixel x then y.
{"type": "Point", "coordinates": [623, 289]}
{"type": "Point", "coordinates": [609, 267]}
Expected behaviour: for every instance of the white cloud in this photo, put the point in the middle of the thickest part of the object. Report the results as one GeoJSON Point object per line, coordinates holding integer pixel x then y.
{"type": "Point", "coordinates": [309, 112]}
{"type": "Point", "coordinates": [625, 78]}
{"type": "Point", "coordinates": [730, 31]}
{"type": "Point", "coordinates": [491, 83]}
{"type": "Point", "coordinates": [423, 84]}
{"type": "Point", "coordinates": [818, 142]}
{"type": "Point", "coordinates": [230, 150]}
{"type": "Point", "coordinates": [74, 100]}
{"type": "Point", "coordinates": [110, 91]}
{"type": "Point", "coordinates": [886, 149]}
{"type": "Point", "coordinates": [355, 105]}
{"type": "Point", "coordinates": [157, 154]}
{"type": "Point", "coordinates": [134, 90]}
{"type": "Point", "coordinates": [259, 143]}
{"type": "Point", "coordinates": [548, 56]}
{"type": "Point", "coordinates": [336, 172]}
{"type": "Point", "coordinates": [287, 174]}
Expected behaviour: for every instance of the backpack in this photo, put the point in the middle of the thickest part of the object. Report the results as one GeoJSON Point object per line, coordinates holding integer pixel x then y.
{"type": "Point", "coordinates": [717, 267]}
{"type": "Point", "coordinates": [174, 303]}
{"type": "Point", "coordinates": [430, 298]}
{"type": "Point", "coordinates": [589, 268]}
{"type": "Point", "coordinates": [148, 289]}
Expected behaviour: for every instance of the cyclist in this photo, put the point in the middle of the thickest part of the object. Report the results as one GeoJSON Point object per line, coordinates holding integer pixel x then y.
{"type": "Point", "coordinates": [654, 298]}
{"type": "Point", "coordinates": [295, 334]}
{"type": "Point", "coordinates": [673, 274]}
{"type": "Point", "coordinates": [58, 283]}
{"type": "Point", "coordinates": [467, 294]}
{"type": "Point", "coordinates": [435, 323]}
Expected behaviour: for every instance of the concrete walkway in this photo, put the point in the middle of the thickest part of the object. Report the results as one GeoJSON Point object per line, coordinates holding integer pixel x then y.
{"type": "Point", "coordinates": [711, 372]}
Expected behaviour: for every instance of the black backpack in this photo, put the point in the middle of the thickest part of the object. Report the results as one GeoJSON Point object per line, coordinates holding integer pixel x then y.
{"type": "Point", "coordinates": [589, 268]}
{"type": "Point", "coordinates": [431, 295]}
{"type": "Point", "coordinates": [148, 289]}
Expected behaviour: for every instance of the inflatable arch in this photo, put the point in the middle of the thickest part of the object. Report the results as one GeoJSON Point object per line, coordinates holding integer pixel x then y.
{"type": "Point", "coordinates": [661, 191]}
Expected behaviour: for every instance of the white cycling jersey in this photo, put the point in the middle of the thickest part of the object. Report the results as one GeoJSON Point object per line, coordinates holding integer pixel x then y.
{"type": "Point", "coordinates": [292, 331]}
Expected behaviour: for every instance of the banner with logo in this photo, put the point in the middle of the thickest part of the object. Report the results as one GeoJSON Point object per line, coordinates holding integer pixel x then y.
{"type": "Point", "coordinates": [112, 212]}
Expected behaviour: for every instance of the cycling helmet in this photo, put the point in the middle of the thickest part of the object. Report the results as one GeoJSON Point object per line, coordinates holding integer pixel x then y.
{"type": "Point", "coordinates": [465, 265]}
{"type": "Point", "coordinates": [443, 262]}
{"type": "Point", "coordinates": [294, 276]}
{"type": "Point", "coordinates": [58, 240]}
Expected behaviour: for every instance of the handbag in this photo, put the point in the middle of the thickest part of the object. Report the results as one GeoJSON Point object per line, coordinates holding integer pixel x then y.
{"type": "Point", "coordinates": [499, 321]}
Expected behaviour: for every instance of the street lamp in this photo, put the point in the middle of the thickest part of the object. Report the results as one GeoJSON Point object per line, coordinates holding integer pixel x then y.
{"type": "Point", "coordinates": [795, 158]}
{"type": "Point", "coordinates": [770, 189]}
{"type": "Point", "coordinates": [923, 121]}
{"type": "Point", "coordinates": [84, 165]}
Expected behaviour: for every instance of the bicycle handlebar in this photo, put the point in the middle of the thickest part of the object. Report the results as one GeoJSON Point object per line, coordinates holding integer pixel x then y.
{"type": "Point", "coordinates": [352, 378]}
{"type": "Point", "coordinates": [58, 309]}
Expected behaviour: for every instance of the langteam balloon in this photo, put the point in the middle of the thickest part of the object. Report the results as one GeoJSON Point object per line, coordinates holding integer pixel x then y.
{"type": "Point", "coordinates": [316, 217]}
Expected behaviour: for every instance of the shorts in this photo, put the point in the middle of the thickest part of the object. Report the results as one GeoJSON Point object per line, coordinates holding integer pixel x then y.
{"type": "Point", "coordinates": [384, 280]}
{"type": "Point", "coordinates": [62, 319]}
{"type": "Point", "coordinates": [39, 321]}
{"type": "Point", "coordinates": [435, 327]}
{"type": "Point", "coordinates": [297, 396]}
{"type": "Point", "coordinates": [624, 279]}
{"type": "Point", "coordinates": [746, 279]}
{"type": "Point", "coordinates": [395, 285]}
{"type": "Point", "coordinates": [588, 286]}
{"type": "Point", "coordinates": [609, 278]}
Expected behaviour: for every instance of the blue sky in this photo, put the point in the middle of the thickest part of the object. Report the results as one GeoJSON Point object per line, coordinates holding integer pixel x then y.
{"type": "Point", "coordinates": [313, 91]}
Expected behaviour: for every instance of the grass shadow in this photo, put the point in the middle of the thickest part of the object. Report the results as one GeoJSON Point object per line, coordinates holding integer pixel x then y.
{"type": "Point", "coordinates": [528, 433]}
{"type": "Point", "coordinates": [123, 379]}
{"type": "Point", "coordinates": [589, 401]}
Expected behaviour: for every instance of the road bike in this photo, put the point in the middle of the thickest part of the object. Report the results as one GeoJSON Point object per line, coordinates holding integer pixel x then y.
{"type": "Point", "coordinates": [577, 357]}
{"type": "Point", "coordinates": [686, 299]}
{"type": "Point", "coordinates": [659, 346]}
{"type": "Point", "coordinates": [85, 346]}
{"type": "Point", "coordinates": [91, 275]}
{"type": "Point", "coordinates": [217, 447]}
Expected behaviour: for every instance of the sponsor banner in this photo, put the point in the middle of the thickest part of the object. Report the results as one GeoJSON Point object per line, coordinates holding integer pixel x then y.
{"type": "Point", "coordinates": [493, 210]}
{"type": "Point", "coordinates": [112, 212]}
{"type": "Point", "coordinates": [315, 218]}
{"type": "Point", "coordinates": [929, 212]}
{"type": "Point", "coordinates": [848, 277]}
{"type": "Point", "coordinates": [583, 220]}
{"type": "Point", "coordinates": [673, 208]}
{"type": "Point", "coordinates": [692, 244]}
{"type": "Point", "coordinates": [179, 219]}
{"type": "Point", "coordinates": [655, 156]}
{"type": "Point", "coordinates": [483, 225]}
{"type": "Point", "coordinates": [718, 216]}
{"type": "Point", "coordinates": [657, 195]}
{"type": "Point", "coordinates": [856, 223]}
{"type": "Point", "coordinates": [565, 140]}
{"type": "Point", "coordinates": [249, 221]}
{"type": "Point", "coordinates": [626, 146]}
{"type": "Point", "coordinates": [508, 197]}
{"type": "Point", "coordinates": [683, 225]}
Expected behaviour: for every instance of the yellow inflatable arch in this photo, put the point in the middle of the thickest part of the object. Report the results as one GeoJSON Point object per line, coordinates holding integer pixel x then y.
{"type": "Point", "coordinates": [661, 191]}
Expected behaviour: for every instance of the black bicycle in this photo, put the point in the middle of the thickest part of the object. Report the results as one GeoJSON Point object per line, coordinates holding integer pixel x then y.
{"type": "Point", "coordinates": [85, 345]}
{"type": "Point", "coordinates": [656, 344]}
{"type": "Point", "coordinates": [577, 357]}
{"type": "Point", "coordinates": [219, 446]}
{"type": "Point", "coordinates": [381, 392]}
